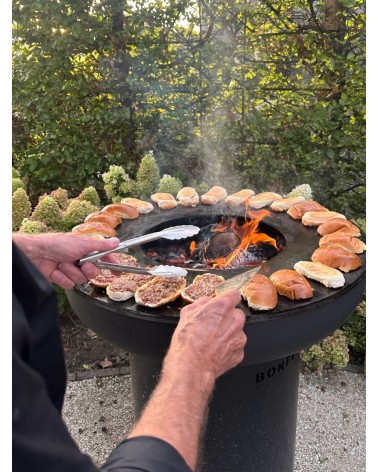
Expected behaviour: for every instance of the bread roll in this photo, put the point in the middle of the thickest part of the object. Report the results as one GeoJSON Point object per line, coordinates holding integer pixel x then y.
{"type": "Point", "coordinates": [240, 197]}
{"type": "Point", "coordinates": [94, 228]}
{"type": "Point", "coordinates": [291, 284]}
{"type": "Point", "coordinates": [165, 201]}
{"type": "Point", "coordinates": [263, 199]}
{"type": "Point", "coordinates": [126, 259]}
{"type": "Point", "coordinates": [214, 195]}
{"type": "Point", "coordinates": [203, 285]}
{"type": "Point", "coordinates": [316, 218]}
{"type": "Point", "coordinates": [122, 210]}
{"type": "Point", "coordinates": [337, 257]}
{"type": "Point", "coordinates": [160, 291]}
{"type": "Point", "coordinates": [188, 196]}
{"type": "Point", "coordinates": [323, 274]}
{"type": "Point", "coordinates": [346, 242]}
{"type": "Point", "coordinates": [124, 287]}
{"type": "Point", "coordinates": [298, 210]}
{"type": "Point", "coordinates": [104, 217]}
{"type": "Point", "coordinates": [104, 278]}
{"type": "Point", "coordinates": [142, 206]}
{"type": "Point", "coordinates": [283, 204]}
{"type": "Point", "coordinates": [260, 293]}
{"type": "Point", "coordinates": [338, 224]}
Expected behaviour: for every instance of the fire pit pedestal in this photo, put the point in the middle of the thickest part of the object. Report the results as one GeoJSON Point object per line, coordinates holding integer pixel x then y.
{"type": "Point", "coordinates": [252, 415]}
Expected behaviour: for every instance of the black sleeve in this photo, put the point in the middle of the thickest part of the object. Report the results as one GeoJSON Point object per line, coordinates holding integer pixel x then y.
{"type": "Point", "coordinates": [145, 454]}
{"type": "Point", "coordinates": [41, 440]}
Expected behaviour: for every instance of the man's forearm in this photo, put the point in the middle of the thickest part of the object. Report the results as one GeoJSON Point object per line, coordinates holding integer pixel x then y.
{"type": "Point", "coordinates": [31, 245]}
{"type": "Point", "coordinates": [176, 410]}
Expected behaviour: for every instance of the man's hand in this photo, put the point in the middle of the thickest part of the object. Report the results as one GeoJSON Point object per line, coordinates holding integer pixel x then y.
{"type": "Point", "coordinates": [55, 255]}
{"type": "Point", "coordinates": [209, 336]}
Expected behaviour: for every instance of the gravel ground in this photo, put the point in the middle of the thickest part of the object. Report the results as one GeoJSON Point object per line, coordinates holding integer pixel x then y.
{"type": "Point", "coordinates": [330, 428]}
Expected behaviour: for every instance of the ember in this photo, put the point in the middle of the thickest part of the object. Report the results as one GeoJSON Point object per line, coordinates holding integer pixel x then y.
{"type": "Point", "coordinates": [232, 242]}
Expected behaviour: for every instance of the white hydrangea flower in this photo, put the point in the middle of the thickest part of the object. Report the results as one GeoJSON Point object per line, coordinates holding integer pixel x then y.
{"type": "Point", "coordinates": [303, 190]}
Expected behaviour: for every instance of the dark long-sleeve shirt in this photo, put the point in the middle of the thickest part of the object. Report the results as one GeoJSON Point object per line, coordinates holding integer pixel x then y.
{"type": "Point", "coordinates": [41, 441]}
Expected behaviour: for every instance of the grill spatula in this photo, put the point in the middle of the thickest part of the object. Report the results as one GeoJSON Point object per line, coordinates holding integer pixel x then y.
{"type": "Point", "coordinates": [237, 282]}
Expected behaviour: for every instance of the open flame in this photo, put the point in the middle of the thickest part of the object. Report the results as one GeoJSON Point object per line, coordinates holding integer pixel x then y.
{"type": "Point", "coordinates": [247, 233]}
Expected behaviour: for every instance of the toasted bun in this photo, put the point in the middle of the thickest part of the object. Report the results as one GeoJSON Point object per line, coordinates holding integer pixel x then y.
{"type": "Point", "coordinates": [165, 201]}
{"type": "Point", "coordinates": [283, 204]}
{"type": "Point", "coordinates": [263, 199]}
{"type": "Point", "coordinates": [240, 197]}
{"type": "Point", "coordinates": [142, 206]}
{"type": "Point", "coordinates": [203, 285]}
{"type": "Point", "coordinates": [291, 284]}
{"type": "Point", "coordinates": [104, 217]}
{"type": "Point", "coordinates": [316, 218]}
{"type": "Point", "coordinates": [327, 276]}
{"type": "Point", "coordinates": [160, 291]}
{"type": "Point", "coordinates": [104, 278]}
{"type": "Point", "coordinates": [126, 259]}
{"type": "Point", "coordinates": [188, 196]}
{"type": "Point", "coordinates": [124, 287]}
{"type": "Point", "coordinates": [338, 224]}
{"type": "Point", "coordinates": [337, 257]}
{"type": "Point", "coordinates": [298, 210]}
{"type": "Point", "coordinates": [346, 242]}
{"type": "Point", "coordinates": [260, 293]}
{"type": "Point", "coordinates": [214, 195]}
{"type": "Point", "coordinates": [94, 228]}
{"type": "Point", "coordinates": [121, 209]}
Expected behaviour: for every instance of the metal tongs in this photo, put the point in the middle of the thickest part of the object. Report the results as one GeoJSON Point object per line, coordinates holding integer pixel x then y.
{"type": "Point", "coordinates": [174, 232]}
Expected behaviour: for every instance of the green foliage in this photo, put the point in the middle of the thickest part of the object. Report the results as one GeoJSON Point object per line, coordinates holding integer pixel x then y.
{"type": "Point", "coordinates": [16, 184]}
{"type": "Point", "coordinates": [148, 176]}
{"type": "Point", "coordinates": [169, 184]}
{"type": "Point", "coordinates": [21, 208]}
{"type": "Point", "coordinates": [264, 97]}
{"type": "Point", "coordinates": [33, 227]}
{"type": "Point", "coordinates": [118, 184]}
{"type": "Point", "coordinates": [60, 195]}
{"type": "Point", "coordinates": [355, 329]}
{"type": "Point", "coordinates": [332, 350]}
{"type": "Point", "coordinates": [76, 212]}
{"type": "Point", "coordinates": [15, 173]}
{"type": "Point", "coordinates": [47, 211]}
{"type": "Point", "coordinates": [90, 195]}
{"type": "Point", "coordinates": [202, 188]}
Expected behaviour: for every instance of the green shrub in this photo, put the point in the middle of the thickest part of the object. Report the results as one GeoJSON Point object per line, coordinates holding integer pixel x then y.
{"type": "Point", "coordinates": [15, 173]}
{"type": "Point", "coordinates": [33, 227]}
{"type": "Point", "coordinates": [331, 350]}
{"type": "Point", "coordinates": [60, 195]}
{"type": "Point", "coordinates": [148, 176]}
{"type": "Point", "coordinates": [90, 195]}
{"type": "Point", "coordinates": [355, 329]}
{"type": "Point", "coordinates": [118, 184]}
{"type": "Point", "coordinates": [17, 183]}
{"type": "Point", "coordinates": [202, 188]}
{"type": "Point", "coordinates": [169, 184]}
{"type": "Point", "coordinates": [76, 212]}
{"type": "Point", "coordinates": [21, 208]}
{"type": "Point", "coordinates": [48, 211]}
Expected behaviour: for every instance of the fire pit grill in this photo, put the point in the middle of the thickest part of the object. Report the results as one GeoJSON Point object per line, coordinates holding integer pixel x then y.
{"type": "Point", "coordinates": [252, 419]}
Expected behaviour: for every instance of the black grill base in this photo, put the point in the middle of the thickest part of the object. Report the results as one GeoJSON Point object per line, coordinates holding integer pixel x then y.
{"type": "Point", "coordinates": [252, 415]}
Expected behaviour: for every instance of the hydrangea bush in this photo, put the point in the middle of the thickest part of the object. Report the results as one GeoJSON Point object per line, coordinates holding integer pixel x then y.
{"type": "Point", "coordinates": [169, 184]}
